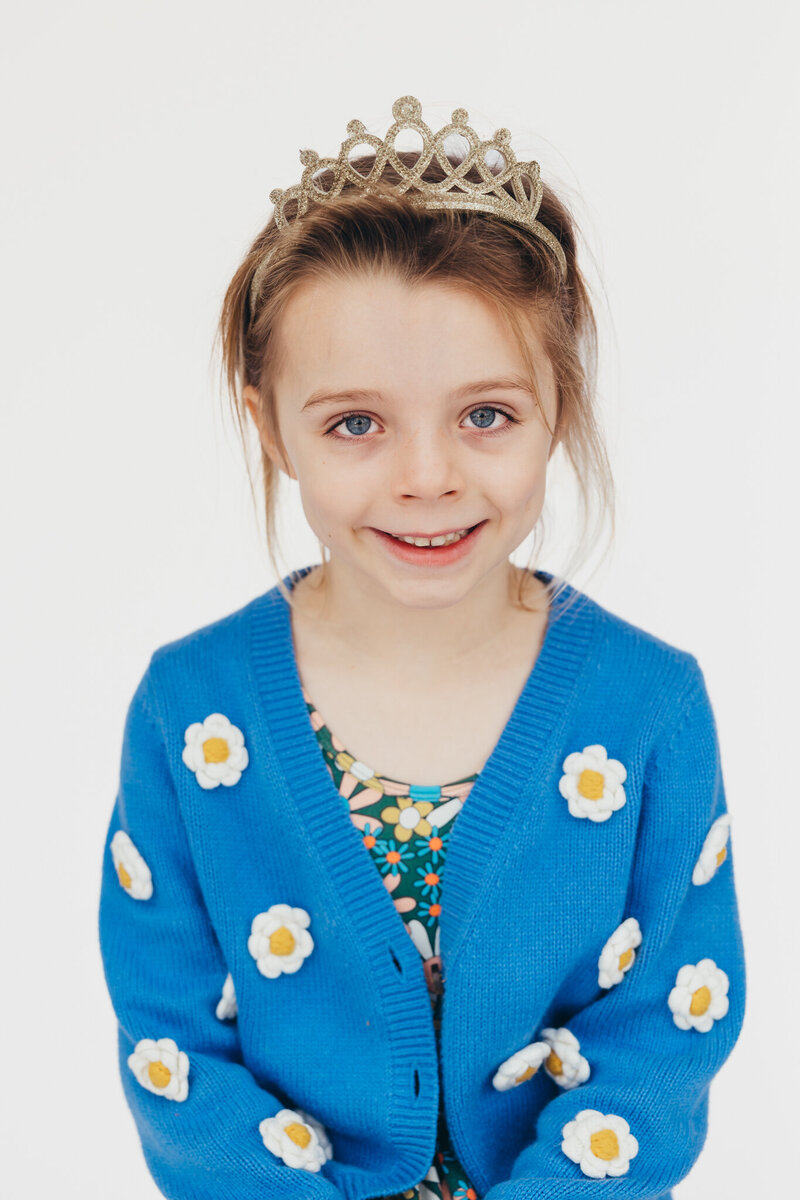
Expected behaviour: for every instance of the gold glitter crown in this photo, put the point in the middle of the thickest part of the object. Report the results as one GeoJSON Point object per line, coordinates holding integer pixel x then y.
{"type": "Point", "coordinates": [454, 191]}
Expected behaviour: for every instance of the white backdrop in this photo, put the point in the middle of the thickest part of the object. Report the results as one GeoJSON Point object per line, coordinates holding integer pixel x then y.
{"type": "Point", "coordinates": [141, 142]}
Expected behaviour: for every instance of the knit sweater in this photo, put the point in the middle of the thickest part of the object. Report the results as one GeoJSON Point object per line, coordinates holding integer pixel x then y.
{"type": "Point", "coordinates": [275, 1036]}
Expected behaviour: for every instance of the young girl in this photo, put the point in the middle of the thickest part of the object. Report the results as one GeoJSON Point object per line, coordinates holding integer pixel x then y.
{"type": "Point", "coordinates": [418, 881]}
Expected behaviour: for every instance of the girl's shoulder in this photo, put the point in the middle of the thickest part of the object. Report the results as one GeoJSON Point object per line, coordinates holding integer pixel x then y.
{"type": "Point", "coordinates": [613, 634]}
{"type": "Point", "coordinates": [216, 657]}
{"type": "Point", "coordinates": [620, 663]}
{"type": "Point", "coordinates": [630, 667]}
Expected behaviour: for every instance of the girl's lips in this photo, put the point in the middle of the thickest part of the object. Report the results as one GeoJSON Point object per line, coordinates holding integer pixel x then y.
{"type": "Point", "coordinates": [430, 556]}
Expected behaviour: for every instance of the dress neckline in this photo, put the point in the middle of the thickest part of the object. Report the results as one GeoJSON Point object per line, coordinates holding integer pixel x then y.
{"type": "Point", "coordinates": [414, 788]}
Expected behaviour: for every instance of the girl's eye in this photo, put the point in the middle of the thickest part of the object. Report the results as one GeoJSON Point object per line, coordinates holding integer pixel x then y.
{"type": "Point", "coordinates": [485, 416]}
{"type": "Point", "coordinates": [484, 413]}
{"type": "Point", "coordinates": [361, 421]}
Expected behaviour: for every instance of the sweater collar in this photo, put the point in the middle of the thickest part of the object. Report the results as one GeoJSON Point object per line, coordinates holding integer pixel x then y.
{"type": "Point", "coordinates": [505, 781]}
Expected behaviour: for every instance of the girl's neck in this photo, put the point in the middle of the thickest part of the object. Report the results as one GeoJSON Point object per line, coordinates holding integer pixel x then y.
{"type": "Point", "coordinates": [368, 630]}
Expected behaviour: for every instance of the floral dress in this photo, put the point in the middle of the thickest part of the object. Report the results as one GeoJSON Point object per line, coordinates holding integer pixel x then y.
{"type": "Point", "coordinates": [409, 851]}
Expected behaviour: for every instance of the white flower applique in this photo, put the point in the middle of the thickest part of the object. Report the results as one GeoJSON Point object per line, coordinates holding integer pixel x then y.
{"type": "Point", "coordinates": [714, 852]}
{"type": "Point", "coordinates": [592, 783]}
{"type": "Point", "coordinates": [565, 1064]}
{"type": "Point", "coordinates": [601, 1143]}
{"type": "Point", "coordinates": [619, 953]}
{"type": "Point", "coordinates": [520, 1066]}
{"type": "Point", "coordinates": [227, 1008]}
{"type": "Point", "coordinates": [279, 940]}
{"type": "Point", "coordinates": [215, 751]}
{"type": "Point", "coordinates": [133, 872]}
{"type": "Point", "coordinates": [161, 1067]}
{"type": "Point", "coordinates": [297, 1138]}
{"type": "Point", "coordinates": [700, 995]}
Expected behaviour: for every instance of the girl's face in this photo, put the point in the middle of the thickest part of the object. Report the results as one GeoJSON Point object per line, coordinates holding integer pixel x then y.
{"type": "Point", "coordinates": [430, 445]}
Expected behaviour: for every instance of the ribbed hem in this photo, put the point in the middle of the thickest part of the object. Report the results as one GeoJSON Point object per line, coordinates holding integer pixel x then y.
{"type": "Point", "coordinates": [364, 904]}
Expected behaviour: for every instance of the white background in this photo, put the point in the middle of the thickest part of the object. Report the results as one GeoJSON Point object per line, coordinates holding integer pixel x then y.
{"type": "Point", "coordinates": [140, 145]}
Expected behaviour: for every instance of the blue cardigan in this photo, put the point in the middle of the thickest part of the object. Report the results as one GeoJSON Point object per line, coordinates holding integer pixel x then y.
{"type": "Point", "coordinates": [275, 1030]}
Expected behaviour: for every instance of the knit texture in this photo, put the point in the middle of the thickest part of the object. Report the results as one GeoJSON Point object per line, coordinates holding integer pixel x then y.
{"type": "Point", "coordinates": [275, 1030]}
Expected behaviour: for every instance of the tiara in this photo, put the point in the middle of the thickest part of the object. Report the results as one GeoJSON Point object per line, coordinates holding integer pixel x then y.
{"type": "Point", "coordinates": [454, 191]}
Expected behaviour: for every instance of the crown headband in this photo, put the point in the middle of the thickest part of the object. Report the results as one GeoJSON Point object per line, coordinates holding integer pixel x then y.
{"type": "Point", "coordinates": [453, 191]}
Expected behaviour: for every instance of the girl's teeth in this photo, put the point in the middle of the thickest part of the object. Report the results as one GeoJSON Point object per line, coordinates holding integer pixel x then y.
{"type": "Point", "coordinates": [445, 540]}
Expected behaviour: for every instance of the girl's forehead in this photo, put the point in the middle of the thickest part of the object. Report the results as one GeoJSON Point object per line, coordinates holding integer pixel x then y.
{"type": "Point", "coordinates": [382, 325]}
{"type": "Point", "coordinates": [331, 293]}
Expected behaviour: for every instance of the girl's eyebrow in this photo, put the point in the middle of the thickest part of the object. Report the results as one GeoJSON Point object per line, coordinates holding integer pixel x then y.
{"type": "Point", "coordinates": [362, 395]}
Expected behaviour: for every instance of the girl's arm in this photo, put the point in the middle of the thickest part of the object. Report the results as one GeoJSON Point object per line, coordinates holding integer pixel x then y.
{"type": "Point", "coordinates": [645, 1067]}
{"type": "Point", "coordinates": [199, 1128]}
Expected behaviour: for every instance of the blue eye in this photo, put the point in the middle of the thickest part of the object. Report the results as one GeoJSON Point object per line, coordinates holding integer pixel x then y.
{"type": "Point", "coordinates": [355, 417]}
{"type": "Point", "coordinates": [486, 410]}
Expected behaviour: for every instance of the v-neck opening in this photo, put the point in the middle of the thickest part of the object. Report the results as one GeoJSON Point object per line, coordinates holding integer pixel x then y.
{"type": "Point", "coordinates": [500, 785]}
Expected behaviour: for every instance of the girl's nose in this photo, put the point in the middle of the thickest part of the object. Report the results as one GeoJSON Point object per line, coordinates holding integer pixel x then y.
{"type": "Point", "coordinates": [426, 466]}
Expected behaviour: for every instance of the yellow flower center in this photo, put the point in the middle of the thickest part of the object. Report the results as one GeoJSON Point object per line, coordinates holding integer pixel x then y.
{"type": "Point", "coordinates": [299, 1133]}
{"type": "Point", "coordinates": [124, 877]}
{"type": "Point", "coordinates": [554, 1064]}
{"type": "Point", "coordinates": [526, 1074]}
{"type": "Point", "coordinates": [604, 1144]}
{"type": "Point", "coordinates": [215, 750]}
{"type": "Point", "coordinates": [281, 941]}
{"type": "Point", "coordinates": [159, 1074]}
{"type": "Point", "coordinates": [700, 1001]}
{"type": "Point", "coordinates": [723, 854]}
{"type": "Point", "coordinates": [591, 784]}
{"type": "Point", "coordinates": [625, 958]}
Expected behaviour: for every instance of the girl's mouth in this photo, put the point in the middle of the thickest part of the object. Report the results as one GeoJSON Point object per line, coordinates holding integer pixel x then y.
{"type": "Point", "coordinates": [431, 556]}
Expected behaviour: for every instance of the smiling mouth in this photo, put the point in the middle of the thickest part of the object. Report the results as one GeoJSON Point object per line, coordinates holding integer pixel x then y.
{"type": "Point", "coordinates": [435, 540]}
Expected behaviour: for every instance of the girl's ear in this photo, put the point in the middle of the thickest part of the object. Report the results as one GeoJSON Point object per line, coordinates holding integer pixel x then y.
{"type": "Point", "coordinates": [268, 443]}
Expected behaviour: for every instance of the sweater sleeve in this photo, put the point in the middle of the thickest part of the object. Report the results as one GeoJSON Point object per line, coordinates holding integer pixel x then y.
{"type": "Point", "coordinates": [672, 1000]}
{"type": "Point", "coordinates": [197, 1107]}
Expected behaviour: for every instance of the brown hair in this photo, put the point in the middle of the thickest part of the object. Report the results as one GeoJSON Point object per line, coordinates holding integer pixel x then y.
{"type": "Point", "coordinates": [505, 264]}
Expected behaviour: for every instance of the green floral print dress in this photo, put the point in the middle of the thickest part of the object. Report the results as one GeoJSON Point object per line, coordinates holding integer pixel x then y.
{"type": "Point", "coordinates": [409, 851]}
